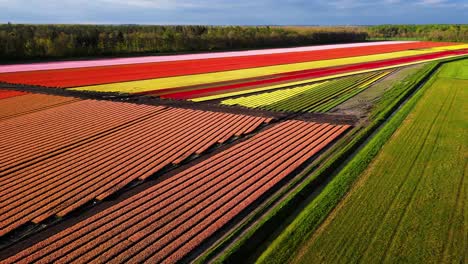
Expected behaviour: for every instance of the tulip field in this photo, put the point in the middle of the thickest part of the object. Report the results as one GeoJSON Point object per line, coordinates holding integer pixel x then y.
{"type": "Point", "coordinates": [102, 72]}
{"type": "Point", "coordinates": [194, 157]}
{"type": "Point", "coordinates": [20, 103]}
{"type": "Point", "coordinates": [319, 97]}
{"type": "Point", "coordinates": [170, 219]}
{"type": "Point", "coordinates": [68, 167]}
{"type": "Point", "coordinates": [192, 78]}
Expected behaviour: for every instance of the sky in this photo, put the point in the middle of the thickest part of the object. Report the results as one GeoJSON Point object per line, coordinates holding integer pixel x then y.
{"type": "Point", "coordinates": [237, 12]}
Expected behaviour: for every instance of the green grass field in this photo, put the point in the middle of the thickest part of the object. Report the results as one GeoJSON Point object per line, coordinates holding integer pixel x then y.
{"type": "Point", "coordinates": [281, 248]}
{"type": "Point", "coordinates": [410, 205]}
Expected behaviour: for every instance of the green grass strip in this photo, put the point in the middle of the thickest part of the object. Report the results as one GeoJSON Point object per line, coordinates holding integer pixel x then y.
{"type": "Point", "coordinates": [290, 240]}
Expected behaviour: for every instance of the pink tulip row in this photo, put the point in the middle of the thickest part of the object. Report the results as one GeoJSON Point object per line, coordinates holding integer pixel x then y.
{"type": "Point", "coordinates": [150, 59]}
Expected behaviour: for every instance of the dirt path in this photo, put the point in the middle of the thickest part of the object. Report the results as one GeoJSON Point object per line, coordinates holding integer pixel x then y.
{"type": "Point", "coordinates": [361, 104]}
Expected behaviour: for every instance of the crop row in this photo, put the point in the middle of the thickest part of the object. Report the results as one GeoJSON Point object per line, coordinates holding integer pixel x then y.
{"type": "Point", "coordinates": [29, 103]}
{"type": "Point", "coordinates": [217, 91]}
{"type": "Point", "coordinates": [61, 158]}
{"type": "Point", "coordinates": [220, 92]}
{"type": "Point", "coordinates": [195, 80]}
{"type": "Point", "coordinates": [150, 59]}
{"type": "Point", "coordinates": [7, 94]}
{"type": "Point", "coordinates": [130, 72]}
{"type": "Point", "coordinates": [310, 98]}
{"type": "Point", "coordinates": [167, 221]}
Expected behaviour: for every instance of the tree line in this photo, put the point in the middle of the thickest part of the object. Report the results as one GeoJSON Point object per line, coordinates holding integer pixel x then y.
{"type": "Point", "coordinates": [26, 42]}
{"type": "Point", "coordinates": [457, 33]}
{"type": "Point", "coordinates": [19, 42]}
{"type": "Point", "coordinates": [434, 32]}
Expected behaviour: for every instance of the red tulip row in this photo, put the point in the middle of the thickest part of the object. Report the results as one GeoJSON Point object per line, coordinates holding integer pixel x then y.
{"type": "Point", "coordinates": [7, 93]}
{"type": "Point", "coordinates": [64, 78]}
{"type": "Point", "coordinates": [29, 103]}
{"type": "Point", "coordinates": [184, 93]}
{"type": "Point", "coordinates": [167, 221]}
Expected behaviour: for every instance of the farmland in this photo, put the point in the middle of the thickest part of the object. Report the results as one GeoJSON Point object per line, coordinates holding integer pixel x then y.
{"type": "Point", "coordinates": [208, 76]}
{"type": "Point", "coordinates": [407, 206]}
{"type": "Point", "coordinates": [202, 157]}
{"type": "Point", "coordinates": [319, 97]}
{"type": "Point", "coordinates": [161, 220]}
{"type": "Point", "coordinates": [33, 189]}
{"type": "Point", "coordinates": [172, 83]}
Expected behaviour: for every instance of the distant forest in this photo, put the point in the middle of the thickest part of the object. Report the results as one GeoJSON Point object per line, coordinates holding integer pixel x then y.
{"type": "Point", "coordinates": [450, 33]}
{"type": "Point", "coordinates": [62, 41]}
{"type": "Point", "coordinates": [457, 33]}
{"type": "Point", "coordinates": [26, 42]}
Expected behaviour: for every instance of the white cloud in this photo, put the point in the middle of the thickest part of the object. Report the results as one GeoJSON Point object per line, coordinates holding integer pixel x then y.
{"type": "Point", "coordinates": [157, 4]}
{"type": "Point", "coordinates": [180, 4]}
{"type": "Point", "coordinates": [233, 12]}
{"type": "Point", "coordinates": [442, 4]}
{"type": "Point", "coordinates": [432, 2]}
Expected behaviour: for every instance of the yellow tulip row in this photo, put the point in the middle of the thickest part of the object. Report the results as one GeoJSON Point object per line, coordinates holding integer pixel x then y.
{"type": "Point", "coordinates": [199, 79]}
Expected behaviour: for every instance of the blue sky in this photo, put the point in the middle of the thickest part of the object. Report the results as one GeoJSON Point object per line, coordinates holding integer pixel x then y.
{"type": "Point", "coordinates": [239, 12]}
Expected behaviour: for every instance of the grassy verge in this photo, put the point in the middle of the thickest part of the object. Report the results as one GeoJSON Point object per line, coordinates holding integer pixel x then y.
{"type": "Point", "coordinates": [281, 250]}
{"type": "Point", "coordinates": [407, 206]}
{"type": "Point", "coordinates": [248, 243]}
